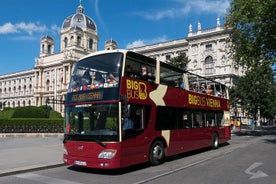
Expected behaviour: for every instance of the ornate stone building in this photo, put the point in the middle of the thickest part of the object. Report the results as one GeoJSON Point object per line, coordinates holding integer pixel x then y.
{"type": "Point", "coordinates": [206, 49]}
{"type": "Point", "coordinates": [51, 73]}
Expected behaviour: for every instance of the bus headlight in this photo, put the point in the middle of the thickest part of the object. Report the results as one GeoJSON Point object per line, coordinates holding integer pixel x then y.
{"type": "Point", "coordinates": [107, 153]}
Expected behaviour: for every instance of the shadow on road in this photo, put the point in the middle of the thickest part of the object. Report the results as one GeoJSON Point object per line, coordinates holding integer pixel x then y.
{"type": "Point", "coordinates": [258, 132]}
{"type": "Point", "coordinates": [109, 171]}
{"type": "Point", "coordinates": [247, 131]}
{"type": "Point", "coordinates": [140, 166]}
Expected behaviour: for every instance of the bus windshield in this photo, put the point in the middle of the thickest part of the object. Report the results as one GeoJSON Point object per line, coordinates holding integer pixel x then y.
{"type": "Point", "coordinates": [98, 122]}
{"type": "Point", "coordinates": [101, 71]}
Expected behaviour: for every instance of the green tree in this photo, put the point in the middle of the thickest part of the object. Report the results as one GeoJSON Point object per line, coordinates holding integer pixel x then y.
{"type": "Point", "coordinates": [180, 61]}
{"type": "Point", "coordinates": [256, 90]}
{"type": "Point", "coordinates": [252, 26]}
{"type": "Point", "coordinates": [253, 35]}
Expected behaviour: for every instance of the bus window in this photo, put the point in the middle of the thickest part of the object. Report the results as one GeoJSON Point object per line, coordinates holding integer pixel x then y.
{"type": "Point", "coordinates": [219, 118]}
{"type": "Point", "coordinates": [140, 67]}
{"type": "Point", "coordinates": [186, 119]}
{"type": "Point", "coordinates": [210, 119]}
{"type": "Point", "coordinates": [133, 121]}
{"type": "Point", "coordinates": [198, 119]}
{"type": "Point", "coordinates": [170, 76]}
{"type": "Point", "coordinates": [166, 118]}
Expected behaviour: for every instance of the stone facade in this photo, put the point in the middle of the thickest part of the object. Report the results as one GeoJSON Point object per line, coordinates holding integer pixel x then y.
{"type": "Point", "coordinates": [207, 51]}
{"type": "Point", "coordinates": [51, 73]}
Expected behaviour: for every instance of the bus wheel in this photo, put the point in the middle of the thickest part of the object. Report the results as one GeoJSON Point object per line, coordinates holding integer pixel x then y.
{"type": "Point", "coordinates": [157, 153]}
{"type": "Point", "coordinates": [215, 141]}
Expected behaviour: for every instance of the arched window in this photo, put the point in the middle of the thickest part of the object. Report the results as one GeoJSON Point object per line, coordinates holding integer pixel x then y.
{"type": "Point", "coordinates": [65, 42]}
{"type": "Point", "coordinates": [71, 40]}
{"type": "Point", "coordinates": [29, 102]}
{"type": "Point", "coordinates": [209, 65]}
{"type": "Point", "coordinates": [78, 41]}
{"type": "Point", "coordinates": [90, 46]}
{"type": "Point", "coordinates": [49, 49]}
{"type": "Point", "coordinates": [43, 48]}
{"type": "Point", "coordinates": [48, 85]}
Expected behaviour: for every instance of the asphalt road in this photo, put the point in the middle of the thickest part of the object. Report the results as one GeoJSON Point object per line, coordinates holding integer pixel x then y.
{"type": "Point", "coordinates": [248, 158]}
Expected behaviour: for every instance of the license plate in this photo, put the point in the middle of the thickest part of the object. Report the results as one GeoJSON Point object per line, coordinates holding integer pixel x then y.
{"type": "Point", "coordinates": [81, 163]}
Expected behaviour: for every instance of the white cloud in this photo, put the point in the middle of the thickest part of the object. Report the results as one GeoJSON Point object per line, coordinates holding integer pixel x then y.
{"type": "Point", "coordinates": [219, 7]}
{"type": "Point", "coordinates": [137, 43]}
{"type": "Point", "coordinates": [30, 27]}
{"type": "Point", "coordinates": [158, 15]}
{"type": "Point", "coordinates": [22, 27]}
{"type": "Point", "coordinates": [185, 7]}
{"type": "Point", "coordinates": [8, 28]}
{"type": "Point", "coordinates": [143, 42]}
{"type": "Point", "coordinates": [24, 38]}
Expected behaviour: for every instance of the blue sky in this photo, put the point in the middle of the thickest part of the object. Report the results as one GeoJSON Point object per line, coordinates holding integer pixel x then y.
{"type": "Point", "coordinates": [131, 23]}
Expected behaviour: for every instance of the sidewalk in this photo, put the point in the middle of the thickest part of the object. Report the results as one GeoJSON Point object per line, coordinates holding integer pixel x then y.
{"type": "Point", "coordinates": [23, 152]}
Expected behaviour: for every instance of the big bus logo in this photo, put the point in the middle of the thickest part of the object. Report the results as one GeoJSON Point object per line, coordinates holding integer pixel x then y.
{"type": "Point", "coordinates": [136, 90]}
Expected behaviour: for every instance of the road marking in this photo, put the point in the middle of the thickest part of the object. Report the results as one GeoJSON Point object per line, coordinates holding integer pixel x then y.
{"type": "Point", "coordinates": [44, 179]}
{"type": "Point", "coordinates": [258, 174]}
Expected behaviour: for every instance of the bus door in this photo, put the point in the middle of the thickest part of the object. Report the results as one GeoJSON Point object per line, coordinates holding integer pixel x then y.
{"type": "Point", "coordinates": [134, 144]}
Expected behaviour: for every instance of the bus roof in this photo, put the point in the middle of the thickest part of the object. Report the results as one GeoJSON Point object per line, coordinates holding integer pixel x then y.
{"type": "Point", "coordinates": [105, 52]}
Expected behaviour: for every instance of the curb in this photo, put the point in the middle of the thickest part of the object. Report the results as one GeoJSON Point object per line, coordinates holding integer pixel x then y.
{"type": "Point", "coordinates": [37, 167]}
{"type": "Point", "coordinates": [3, 135]}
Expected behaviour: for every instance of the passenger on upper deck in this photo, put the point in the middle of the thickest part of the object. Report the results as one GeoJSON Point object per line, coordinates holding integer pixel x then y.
{"type": "Point", "coordinates": [144, 75]}
{"type": "Point", "coordinates": [128, 71]}
{"type": "Point", "coordinates": [180, 83]}
{"type": "Point", "coordinates": [195, 87]}
{"type": "Point", "coordinates": [111, 78]}
{"type": "Point", "coordinates": [98, 78]}
{"type": "Point", "coordinates": [86, 78]}
{"type": "Point", "coordinates": [202, 88]}
{"type": "Point", "coordinates": [210, 89]}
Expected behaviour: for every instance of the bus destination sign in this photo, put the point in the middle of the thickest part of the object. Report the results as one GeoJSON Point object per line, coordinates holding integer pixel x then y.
{"type": "Point", "coordinates": [95, 95]}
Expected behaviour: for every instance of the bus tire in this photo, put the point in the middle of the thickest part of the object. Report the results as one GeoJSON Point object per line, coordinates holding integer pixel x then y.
{"type": "Point", "coordinates": [157, 153]}
{"type": "Point", "coordinates": [215, 141]}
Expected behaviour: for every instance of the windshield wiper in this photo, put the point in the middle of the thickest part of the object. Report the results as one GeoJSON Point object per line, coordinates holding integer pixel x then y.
{"type": "Point", "coordinates": [68, 136]}
{"type": "Point", "coordinates": [99, 142]}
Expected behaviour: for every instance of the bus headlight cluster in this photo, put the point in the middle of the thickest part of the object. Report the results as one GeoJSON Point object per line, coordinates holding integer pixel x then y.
{"type": "Point", "coordinates": [107, 153]}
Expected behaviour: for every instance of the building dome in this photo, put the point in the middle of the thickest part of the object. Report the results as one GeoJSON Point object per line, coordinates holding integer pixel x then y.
{"type": "Point", "coordinates": [47, 37]}
{"type": "Point", "coordinates": [79, 20]}
{"type": "Point", "coordinates": [111, 41]}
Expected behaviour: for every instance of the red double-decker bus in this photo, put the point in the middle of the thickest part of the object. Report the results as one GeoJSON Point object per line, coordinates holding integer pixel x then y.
{"type": "Point", "coordinates": [123, 108]}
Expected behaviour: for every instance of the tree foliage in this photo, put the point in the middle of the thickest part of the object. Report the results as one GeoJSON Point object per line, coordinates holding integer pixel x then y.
{"type": "Point", "coordinates": [252, 26]}
{"type": "Point", "coordinates": [253, 35]}
{"type": "Point", "coordinates": [180, 61]}
{"type": "Point", "coordinates": [256, 90]}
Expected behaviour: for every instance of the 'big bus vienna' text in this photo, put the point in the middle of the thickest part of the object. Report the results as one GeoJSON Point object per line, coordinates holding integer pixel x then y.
{"type": "Point", "coordinates": [136, 90]}
{"type": "Point", "coordinates": [203, 101]}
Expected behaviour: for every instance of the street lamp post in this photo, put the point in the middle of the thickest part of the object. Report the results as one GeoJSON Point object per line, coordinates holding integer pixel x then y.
{"type": "Point", "coordinates": [258, 108]}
